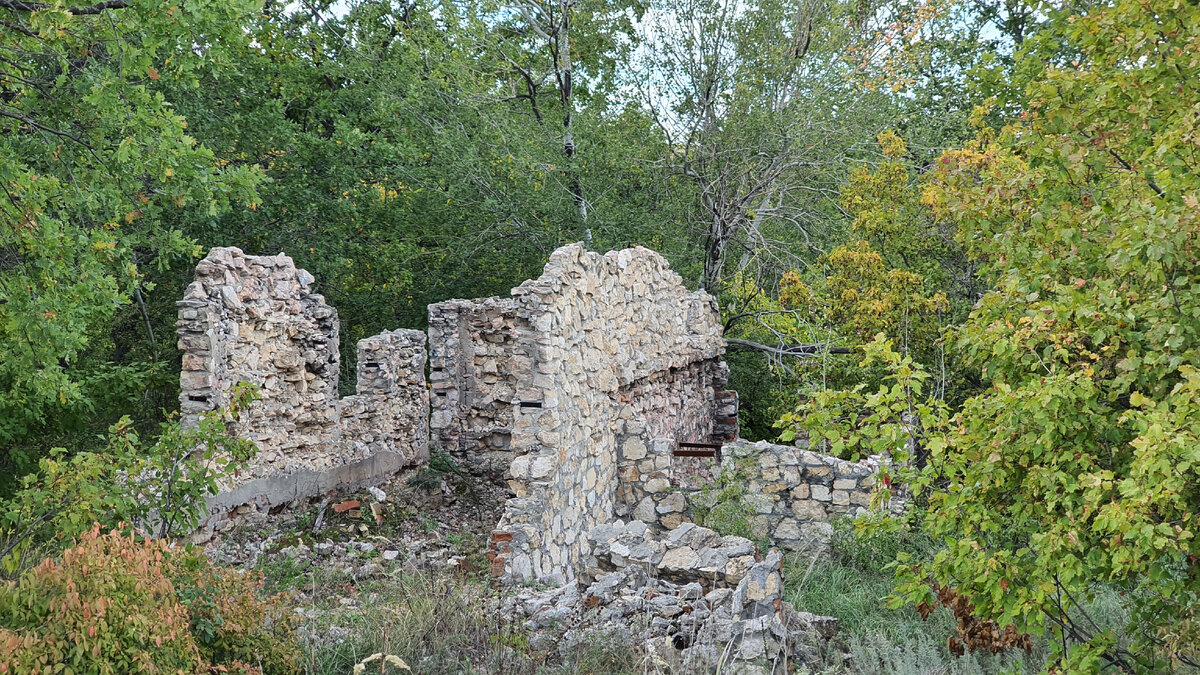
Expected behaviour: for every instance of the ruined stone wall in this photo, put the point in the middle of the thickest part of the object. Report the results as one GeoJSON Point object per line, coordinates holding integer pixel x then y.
{"type": "Point", "coordinates": [680, 404]}
{"type": "Point", "coordinates": [794, 493]}
{"type": "Point", "coordinates": [649, 490]}
{"type": "Point", "coordinates": [593, 328]}
{"type": "Point", "coordinates": [388, 413]}
{"type": "Point", "coordinates": [475, 362]}
{"type": "Point", "coordinates": [255, 319]}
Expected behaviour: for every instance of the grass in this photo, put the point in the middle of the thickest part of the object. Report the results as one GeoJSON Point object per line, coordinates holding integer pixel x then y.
{"type": "Point", "coordinates": [443, 623]}
{"type": "Point", "coordinates": [851, 584]}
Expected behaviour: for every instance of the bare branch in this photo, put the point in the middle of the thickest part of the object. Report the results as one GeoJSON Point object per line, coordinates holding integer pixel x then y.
{"type": "Point", "coordinates": [19, 6]}
{"type": "Point", "coordinates": [800, 351]}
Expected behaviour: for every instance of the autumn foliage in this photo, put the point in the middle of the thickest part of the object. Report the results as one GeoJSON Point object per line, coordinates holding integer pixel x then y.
{"type": "Point", "coordinates": [114, 603]}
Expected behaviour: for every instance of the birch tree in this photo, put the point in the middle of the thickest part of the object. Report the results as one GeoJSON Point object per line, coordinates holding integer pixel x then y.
{"type": "Point", "coordinates": [764, 114]}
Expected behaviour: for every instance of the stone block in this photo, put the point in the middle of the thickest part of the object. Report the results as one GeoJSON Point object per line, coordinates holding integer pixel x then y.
{"type": "Point", "coordinates": [808, 509]}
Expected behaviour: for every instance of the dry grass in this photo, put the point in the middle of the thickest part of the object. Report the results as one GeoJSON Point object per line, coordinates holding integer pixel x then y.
{"type": "Point", "coordinates": [438, 622]}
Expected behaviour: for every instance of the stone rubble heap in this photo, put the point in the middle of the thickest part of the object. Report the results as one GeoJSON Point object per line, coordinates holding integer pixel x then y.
{"type": "Point", "coordinates": [695, 600]}
{"type": "Point", "coordinates": [687, 553]}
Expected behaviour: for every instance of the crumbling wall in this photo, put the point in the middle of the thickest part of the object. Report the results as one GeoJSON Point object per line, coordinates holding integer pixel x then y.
{"type": "Point", "coordinates": [795, 493]}
{"type": "Point", "coordinates": [596, 329]}
{"type": "Point", "coordinates": [650, 489]}
{"type": "Point", "coordinates": [388, 413]}
{"type": "Point", "coordinates": [475, 362]}
{"type": "Point", "coordinates": [255, 319]}
{"type": "Point", "coordinates": [704, 602]}
{"type": "Point", "coordinates": [679, 403]}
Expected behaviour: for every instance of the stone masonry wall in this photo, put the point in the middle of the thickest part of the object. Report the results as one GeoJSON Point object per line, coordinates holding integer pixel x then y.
{"type": "Point", "coordinates": [592, 327]}
{"type": "Point", "coordinates": [475, 363]}
{"type": "Point", "coordinates": [794, 493]}
{"type": "Point", "coordinates": [388, 412]}
{"type": "Point", "coordinates": [255, 319]}
{"type": "Point", "coordinates": [679, 404]}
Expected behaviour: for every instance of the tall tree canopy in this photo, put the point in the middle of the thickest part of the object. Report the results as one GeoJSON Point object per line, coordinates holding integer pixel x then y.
{"type": "Point", "coordinates": [93, 158]}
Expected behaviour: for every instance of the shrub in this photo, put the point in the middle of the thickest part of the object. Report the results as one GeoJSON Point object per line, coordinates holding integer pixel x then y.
{"type": "Point", "coordinates": [230, 621]}
{"type": "Point", "coordinates": [118, 604]}
{"type": "Point", "coordinates": [159, 488]}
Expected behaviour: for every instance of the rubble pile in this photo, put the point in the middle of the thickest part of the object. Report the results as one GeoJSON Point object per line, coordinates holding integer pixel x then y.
{"type": "Point", "coordinates": [695, 600]}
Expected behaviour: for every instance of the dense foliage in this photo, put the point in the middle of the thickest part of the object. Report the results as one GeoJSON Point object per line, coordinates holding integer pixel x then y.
{"type": "Point", "coordinates": [1077, 465]}
{"type": "Point", "coordinates": [93, 158]}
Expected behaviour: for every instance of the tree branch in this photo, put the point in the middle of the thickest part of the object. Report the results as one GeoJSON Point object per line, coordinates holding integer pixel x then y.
{"type": "Point", "coordinates": [800, 351]}
{"type": "Point", "coordinates": [19, 6]}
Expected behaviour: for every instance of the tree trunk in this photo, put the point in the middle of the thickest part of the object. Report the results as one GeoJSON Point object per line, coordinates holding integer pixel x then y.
{"type": "Point", "coordinates": [564, 79]}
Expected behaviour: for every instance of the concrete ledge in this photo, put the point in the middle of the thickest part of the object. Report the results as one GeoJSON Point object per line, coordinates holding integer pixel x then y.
{"type": "Point", "coordinates": [283, 488]}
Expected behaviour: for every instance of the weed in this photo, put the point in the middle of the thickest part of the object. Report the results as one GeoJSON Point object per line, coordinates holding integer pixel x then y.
{"type": "Point", "coordinates": [463, 541]}
{"type": "Point", "coordinates": [285, 573]}
{"type": "Point", "coordinates": [723, 506]}
{"type": "Point", "coordinates": [438, 623]}
{"type": "Point", "coordinates": [430, 476]}
{"type": "Point", "coordinates": [441, 462]}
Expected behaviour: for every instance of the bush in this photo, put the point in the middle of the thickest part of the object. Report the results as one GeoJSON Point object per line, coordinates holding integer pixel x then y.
{"type": "Point", "coordinates": [722, 506]}
{"type": "Point", "coordinates": [117, 604]}
{"type": "Point", "coordinates": [159, 489]}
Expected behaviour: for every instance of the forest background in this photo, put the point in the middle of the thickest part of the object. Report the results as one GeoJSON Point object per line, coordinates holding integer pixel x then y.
{"type": "Point", "coordinates": [410, 153]}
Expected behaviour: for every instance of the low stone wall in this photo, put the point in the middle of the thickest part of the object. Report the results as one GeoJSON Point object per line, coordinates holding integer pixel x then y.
{"type": "Point", "coordinates": [255, 319]}
{"type": "Point", "coordinates": [794, 493]}
{"type": "Point", "coordinates": [647, 490]}
{"type": "Point", "coordinates": [791, 494]}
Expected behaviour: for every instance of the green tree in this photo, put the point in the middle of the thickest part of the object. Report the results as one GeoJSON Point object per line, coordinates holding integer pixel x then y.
{"type": "Point", "coordinates": [92, 159]}
{"type": "Point", "coordinates": [1077, 465]}
{"type": "Point", "coordinates": [416, 153]}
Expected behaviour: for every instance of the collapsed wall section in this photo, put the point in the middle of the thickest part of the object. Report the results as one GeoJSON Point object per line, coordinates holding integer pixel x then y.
{"type": "Point", "coordinates": [606, 337]}
{"type": "Point", "coordinates": [255, 319]}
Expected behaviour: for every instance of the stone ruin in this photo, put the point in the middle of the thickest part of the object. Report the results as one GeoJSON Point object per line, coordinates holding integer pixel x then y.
{"type": "Point", "coordinates": [255, 319]}
{"type": "Point", "coordinates": [582, 392]}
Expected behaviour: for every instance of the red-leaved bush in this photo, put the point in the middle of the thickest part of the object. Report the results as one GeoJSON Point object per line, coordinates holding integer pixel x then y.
{"type": "Point", "coordinates": [119, 604]}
